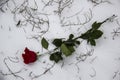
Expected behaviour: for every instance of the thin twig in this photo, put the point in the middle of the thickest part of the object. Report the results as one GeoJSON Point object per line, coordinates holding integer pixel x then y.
{"type": "Point", "coordinates": [48, 69]}
{"type": "Point", "coordinates": [88, 17]}
{"type": "Point", "coordinates": [11, 72]}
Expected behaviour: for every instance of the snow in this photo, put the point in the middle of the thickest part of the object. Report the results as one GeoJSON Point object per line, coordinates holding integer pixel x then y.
{"type": "Point", "coordinates": [103, 64]}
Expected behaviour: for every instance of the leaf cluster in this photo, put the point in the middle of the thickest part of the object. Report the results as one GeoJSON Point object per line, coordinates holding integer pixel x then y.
{"type": "Point", "coordinates": [92, 34]}
{"type": "Point", "coordinates": [67, 47]}
{"type": "Point", "coordinates": [63, 47]}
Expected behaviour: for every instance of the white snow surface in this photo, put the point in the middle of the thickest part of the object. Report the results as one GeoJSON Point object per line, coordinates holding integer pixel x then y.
{"type": "Point", "coordinates": [103, 64]}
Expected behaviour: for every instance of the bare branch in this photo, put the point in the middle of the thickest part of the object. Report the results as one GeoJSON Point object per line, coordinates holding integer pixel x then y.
{"type": "Point", "coordinates": [30, 16]}
{"type": "Point", "coordinates": [2, 3]}
{"type": "Point", "coordinates": [83, 57]}
{"type": "Point", "coordinates": [98, 2]}
{"type": "Point", "coordinates": [37, 76]}
{"type": "Point", "coordinates": [94, 74]}
{"type": "Point", "coordinates": [116, 32]}
{"type": "Point", "coordinates": [10, 71]}
{"type": "Point", "coordinates": [88, 17]}
{"type": "Point", "coordinates": [62, 4]}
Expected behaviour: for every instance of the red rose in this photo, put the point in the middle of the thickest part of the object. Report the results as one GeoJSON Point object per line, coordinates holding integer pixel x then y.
{"type": "Point", "coordinates": [29, 56]}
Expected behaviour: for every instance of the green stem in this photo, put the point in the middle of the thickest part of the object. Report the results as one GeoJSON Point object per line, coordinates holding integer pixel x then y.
{"type": "Point", "coordinates": [113, 16]}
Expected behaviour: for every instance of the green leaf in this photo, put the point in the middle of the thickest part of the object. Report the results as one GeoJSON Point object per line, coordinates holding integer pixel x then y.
{"type": "Point", "coordinates": [96, 34]}
{"type": "Point", "coordinates": [71, 36]}
{"type": "Point", "coordinates": [96, 25]}
{"type": "Point", "coordinates": [56, 57]}
{"type": "Point", "coordinates": [69, 43]}
{"type": "Point", "coordinates": [92, 42]}
{"type": "Point", "coordinates": [44, 43]}
{"type": "Point", "coordinates": [86, 35]}
{"type": "Point", "coordinates": [71, 48]}
{"type": "Point", "coordinates": [77, 42]}
{"type": "Point", "coordinates": [66, 50]}
{"type": "Point", "coordinates": [57, 42]}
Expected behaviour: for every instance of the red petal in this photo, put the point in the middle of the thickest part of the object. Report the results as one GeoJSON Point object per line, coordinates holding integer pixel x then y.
{"type": "Point", "coordinates": [26, 58]}
{"type": "Point", "coordinates": [33, 56]}
{"type": "Point", "coordinates": [26, 50]}
{"type": "Point", "coordinates": [26, 62]}
{"type": "Point", "coordinates": [29, 56]}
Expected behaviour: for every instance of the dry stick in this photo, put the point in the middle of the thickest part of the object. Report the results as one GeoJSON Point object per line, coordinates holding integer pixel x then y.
{"type": "Point", "coordinates": [47, 4]}
{"type": "Point", "coordinates": [62, 64]}
{"type": "Point", "coordinates": [62, 4]}
{"type": "Point", "coordinates": [88, 17]}
{"type": "Point", "coordinates": [21, 6]}
{"type": "Point", "coordinates": [43, 32]}
{"type": "Point", "coordinates": [2, 3]}
{"type": "Point", "coordinates": [75, 13]}
{"type": "Point", "coordinates": [116, 32]}
{"type": "Point", "coordinates": [83, 58]}
{"type": "Point", "coordinates": [11, 72]}
{"type": "Point", "coordinates": [6, 74]}
{"type": "Point", "coordinates": [78, 69]}
{"type": "Point", "coordinates": [37, 76]}
{"type": "Point", "coordinates": [93, 75]}
{"type": "Point", "coordinates": [30, 16]}
{"type": "Point", "coordinates": [115, 74]}
{"type": "Point", "coordinates": [93, 59]}
{"type": "Point", "coordinates": [15, 58]}
{"type": "Point", "coordinates": [96, 2]}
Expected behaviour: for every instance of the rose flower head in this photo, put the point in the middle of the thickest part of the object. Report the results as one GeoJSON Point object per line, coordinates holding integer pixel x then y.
{"type": "Point", "coordinates": [29, 56]}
